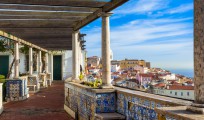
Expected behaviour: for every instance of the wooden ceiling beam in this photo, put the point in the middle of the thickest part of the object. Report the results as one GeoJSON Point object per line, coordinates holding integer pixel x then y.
{"type": "Point", "coordinates": [44, 13]}
{"type": "Point", "coordinates": [73, 18]}
{"type": "Point", "coordinates": [73, 3]}
{"type": "Point", "coordinates": [46, 8]}
{"type": "Point", "coordinates": [107, 8]}
{"type": "Point", "coordinates": [38, 24]}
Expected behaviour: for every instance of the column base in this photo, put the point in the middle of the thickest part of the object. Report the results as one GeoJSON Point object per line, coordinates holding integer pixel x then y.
{"type": "Point", "coordinates": [196, 108]}
{"type": "Point", "coordinates": [107, 87]}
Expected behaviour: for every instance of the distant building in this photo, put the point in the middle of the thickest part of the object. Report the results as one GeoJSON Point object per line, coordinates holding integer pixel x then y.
{"type": "Point", "coordinates": [144, 79]}
{"type": "Point", "coordinates": [168, 76]}
{"type": "Point", "coordinates": [148, 65]}
{"type": "Point", "coordinates": [177, 91]}
{"type": "Point", "coordinates": [131, 63]}
{"type": "Point", "coordinates": [93, 61]}
{"type": "Point", "coordinates": [115, 68]}
{"type": "Point", "coordinates": [141, 69]}
{"type": "Point", "coordinates": [114, 62]}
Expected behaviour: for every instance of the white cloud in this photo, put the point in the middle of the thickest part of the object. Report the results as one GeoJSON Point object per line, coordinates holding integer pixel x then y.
{"type": "Point", "coordinates": [148, 39]}
{"type": "Point", "coordinates": [142, 6]}
{"type": "Point", "coordinates": [181, 9]}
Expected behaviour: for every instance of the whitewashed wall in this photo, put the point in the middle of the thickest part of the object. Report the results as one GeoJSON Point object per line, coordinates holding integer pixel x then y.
{"type": "Point", "coordinates": [22, 67]}
{"type": "Point", "coordinates": [171, 93]}
{"type": "Point", "coordinates": [67, 64]}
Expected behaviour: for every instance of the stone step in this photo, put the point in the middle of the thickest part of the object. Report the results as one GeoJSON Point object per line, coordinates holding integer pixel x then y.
{"type": "Point", "coordinates": [109, 116]}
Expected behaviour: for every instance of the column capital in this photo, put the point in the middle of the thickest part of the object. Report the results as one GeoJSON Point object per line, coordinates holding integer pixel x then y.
{"type": "Point", "coordinates": [106, 14]}
{"type": "Point", "coordinates": [75, 31]}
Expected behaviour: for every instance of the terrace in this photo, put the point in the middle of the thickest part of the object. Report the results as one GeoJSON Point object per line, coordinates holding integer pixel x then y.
{"type": "Point", "coordinates": [49, 27]}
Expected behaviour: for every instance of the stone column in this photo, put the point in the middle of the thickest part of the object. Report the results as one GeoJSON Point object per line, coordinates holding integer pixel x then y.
{"type": "Point", "coordinates": [37, 62]}
{"type": "Point", "coordinates": [51, 62]}
{"type": "Point", "coordinates": [79, 55]}
{"type": "Point", "coordinates": [16, 69]}
{"type": "Point", "coordinates": [30, 61]}
{"type": "Point", "coordinates": [40, 62]}
{"type": "Point", "coordinates": [46, 63]}
{"type": "Point", "coordinates": [106, 63]}
{"type": "Point", "coordinates": [198, 105]}
{"type": "Point", "coordinates": [75, 50]}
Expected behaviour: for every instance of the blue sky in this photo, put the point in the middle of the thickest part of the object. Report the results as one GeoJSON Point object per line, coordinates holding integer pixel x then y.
{"type": "Point", "coordinates": [159, 31]}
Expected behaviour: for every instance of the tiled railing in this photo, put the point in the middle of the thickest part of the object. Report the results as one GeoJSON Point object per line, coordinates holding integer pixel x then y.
{"type": "Point", "coordinates": [134, 105]}
{"type": "Point", "coordinates": [86, 101]}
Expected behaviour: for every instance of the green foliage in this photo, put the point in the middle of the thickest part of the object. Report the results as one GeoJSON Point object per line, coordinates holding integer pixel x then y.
{"type": "Point", "coordinates": [24, 49]}
{"type": "Point", "coordinates": [81, 76]}
{"type": "Point", "coordinates": [97, 83]}
{"type": "Point", "coordinates": [2, 46]}
{"type": "Point", "coordinates": [2, 77]}
{"type": "Point", "coordinates": [2, 80]}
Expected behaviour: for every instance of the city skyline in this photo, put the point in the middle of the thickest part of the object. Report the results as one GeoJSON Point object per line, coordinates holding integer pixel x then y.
{"type": "Point", "coordinates": [154, 30]}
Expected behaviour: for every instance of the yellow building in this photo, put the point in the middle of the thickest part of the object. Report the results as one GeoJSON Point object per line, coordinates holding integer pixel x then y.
{"type": "Point", "coordinates": [131, 63]}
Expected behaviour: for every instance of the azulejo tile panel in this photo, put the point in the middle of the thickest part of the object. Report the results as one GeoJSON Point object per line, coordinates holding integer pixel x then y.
{"type": "Point", "coordinates": [105, 102]}
{"type": "Point", "coordinates": [14, 88]}
{"type": "Point", "coordinates": [136, 108]}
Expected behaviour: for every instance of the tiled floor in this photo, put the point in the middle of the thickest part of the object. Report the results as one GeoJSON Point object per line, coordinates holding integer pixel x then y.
{"type": "Point", "coordinates": [45, 105]}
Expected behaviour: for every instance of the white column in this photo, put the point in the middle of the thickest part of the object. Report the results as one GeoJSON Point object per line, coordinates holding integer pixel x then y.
{"type": "Point", "coordinates": [106, 63]}
{"type": "Point", "coordinates": [51, 62]}
{"type": "Point", "coordinates": [30, 61]}
{"type": "Point", "coordinates": [37, 64]}
{"type": "Point", "coordinates": [40, 62]}
{"type": "Point", "coordinates": [46, 63]}
{"type": "Point", "coordinates": [79, 55]}
{"type": "Point", "coordinates": [17, 60]}
{"type": "Point", "coordinates": [75, 62]}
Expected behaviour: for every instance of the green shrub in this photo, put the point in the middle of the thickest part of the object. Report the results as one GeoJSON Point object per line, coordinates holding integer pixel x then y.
{"type": "Point", "coordinates": [2, 80]}
{"type": "Point", "coordinates": [2, 77]}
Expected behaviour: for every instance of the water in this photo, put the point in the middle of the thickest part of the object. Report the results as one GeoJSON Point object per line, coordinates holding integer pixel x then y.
{"type": "Point", "coordinates": [185, 72]}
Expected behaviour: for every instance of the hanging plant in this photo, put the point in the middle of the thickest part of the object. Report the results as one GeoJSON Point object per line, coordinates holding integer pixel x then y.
{"type": "Point", "coordinates": [2, 46]}
{"type": "Point", "coordinates": [24, 49]}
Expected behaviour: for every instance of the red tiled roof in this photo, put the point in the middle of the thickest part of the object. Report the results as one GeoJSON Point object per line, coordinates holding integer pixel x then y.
{"type": "Point", "coordinates": [159, 85]}
{"type": "Point", "coordinates": [146, 75]}
{"type": "Point", "coordinates": [178, 87]}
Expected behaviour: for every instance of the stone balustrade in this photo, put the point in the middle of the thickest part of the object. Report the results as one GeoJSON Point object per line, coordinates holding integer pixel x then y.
{"type": "Point", "coordinates": [49, 80]}
{"type": "Point", "coordinates": [42, 80]}
{"type": "Point", "coordinates": [33, 84]}
{"type": "Point", "coordinates": [1, 98]}
{"type": "Point", "coordinates": [86, 102]}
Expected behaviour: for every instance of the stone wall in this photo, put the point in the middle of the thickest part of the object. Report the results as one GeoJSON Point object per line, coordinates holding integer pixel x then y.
{"type": "Point", "coordinates": [1, 98]}
{"type": "Point", "coordinates": [85, 102]}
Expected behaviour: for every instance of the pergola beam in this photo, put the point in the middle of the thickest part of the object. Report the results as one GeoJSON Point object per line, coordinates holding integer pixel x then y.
{"type": "Point", "coordinates": [37, 23]}
{"type": "Point", "coordinates": [46, 8]}
{"type": "Point", "coordinates": [14, 38]}
{"type": "Point", "coordinates": [45, 13]}
{"type": "Point", "coordinates": [108, 7]}
{"type": "Point", "coordinates": [73, 3]}
{"type": "Point", "coordinates": [73, 18]}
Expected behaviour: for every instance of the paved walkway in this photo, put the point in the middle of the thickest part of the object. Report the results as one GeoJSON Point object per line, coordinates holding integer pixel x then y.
{"type": "Point", "coordinates": [45, 105]}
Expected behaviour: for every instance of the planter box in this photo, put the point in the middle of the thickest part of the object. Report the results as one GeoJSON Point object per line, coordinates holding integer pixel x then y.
{"type": "Point", "coordinates": [85, 101]}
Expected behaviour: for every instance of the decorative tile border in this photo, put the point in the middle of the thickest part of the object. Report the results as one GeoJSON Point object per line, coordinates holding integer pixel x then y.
{"type": "Point", "coordinates": [16, 89]}
{"type": "Point", "coordinates": [135, 108]}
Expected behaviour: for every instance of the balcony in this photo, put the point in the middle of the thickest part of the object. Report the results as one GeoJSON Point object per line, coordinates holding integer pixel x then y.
{"type": "Point", "coordinates": [55, 28]}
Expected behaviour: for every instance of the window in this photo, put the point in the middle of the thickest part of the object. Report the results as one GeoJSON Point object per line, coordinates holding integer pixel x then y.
{"type": "Point", "coordinates": [175, 93]}
{"type": "Point", "coordinates": [188, 93]}
{"type": "Point", "coordinates": [170, 92]}
{"type": "Point", "coordinates": [181, 93]}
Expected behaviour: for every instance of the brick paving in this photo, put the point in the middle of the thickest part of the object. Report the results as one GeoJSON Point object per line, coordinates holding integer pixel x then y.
{"type": "Point", "coordinates": [45, 105]}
